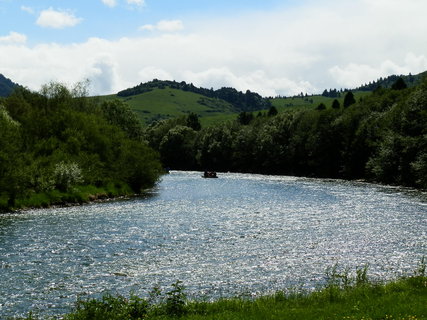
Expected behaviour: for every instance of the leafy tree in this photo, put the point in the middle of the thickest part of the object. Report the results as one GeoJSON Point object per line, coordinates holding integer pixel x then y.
{"type": "Point", "coordinates": [193, 122]}
{"type": "Point", "coordinates": [336, 104]}
{"type": "Point", "coordinates": [245, 118]}
{"type": "Point", "coordinates": [120, 114]}
{"type": "Point", "coordinates": [215, 146]}
{"type": "Point", "coordinates": [59, 138]}
{"type": "Point", "coordinates": [419, 167]}
{"type": "Point", "coordinates": [177, 148]}
{"type": "Point", "coordinates": [349, 99]}
{"type": "Point", "coordinates": [12, 175]}
{"type": "Point", "coordinates": [138, 165]}
{"type": "Point", "coordinates": [272, 111]}
{"type": "Point", "coordinates": [399, 84]}
{"type": "Point", "coordinates": [321, 106]}
{"type": "Point", "coordinates": [156, 131]}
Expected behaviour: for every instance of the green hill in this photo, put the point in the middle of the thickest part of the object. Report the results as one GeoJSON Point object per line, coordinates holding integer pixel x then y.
{"type": "Point", "coordinates": [163, 103]}
{"type": "Point", "coordinates": [156, 103]}
{"type": "Point", "coordinates": [156, 100]}
{"type": "Point", "coordinates": [247, 101]}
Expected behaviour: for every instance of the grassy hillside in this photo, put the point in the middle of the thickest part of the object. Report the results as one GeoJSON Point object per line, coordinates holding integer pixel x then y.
{"type": "Point", "coordinates": [168, 103]}
{"type": "Point", "coordinates": [307, 102]}
{"type": "Point", "coordinates": [157, 100]}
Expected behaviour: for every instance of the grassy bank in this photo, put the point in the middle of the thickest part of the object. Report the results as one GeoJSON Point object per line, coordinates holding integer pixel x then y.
{"type": "Point", "coordinates": [343, 297]}
{"type": "Point", "coordinates": [76, 195]}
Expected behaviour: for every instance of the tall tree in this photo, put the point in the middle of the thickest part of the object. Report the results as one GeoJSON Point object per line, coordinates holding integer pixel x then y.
{"type": "Point", "coordinates": [349, 99]}
{"type": "Point", "coordinates": [193, 121]}
{"type": "Point", "coordinates": [272, 111]}
{"type": "Point", "coordinates": [399, 84]}
{"type": "Point", "coordinates": [321, 106]}
{"type": "Point", "coordinates": [336, 104]}
{"type": "Point", "coordinates": [245, 117]}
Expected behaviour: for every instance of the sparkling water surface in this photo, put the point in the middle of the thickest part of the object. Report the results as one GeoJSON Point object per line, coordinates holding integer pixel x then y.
{"type": "Point", "coordinates": [238, 234]}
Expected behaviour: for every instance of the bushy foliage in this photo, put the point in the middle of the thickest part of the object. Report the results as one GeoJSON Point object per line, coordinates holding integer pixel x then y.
{"type": "Point", "coordinates": [58, 139]}
{"type": "Point", "coordinates": [110, 308]}
{"type": "Point", "coordinates": [66, 175]}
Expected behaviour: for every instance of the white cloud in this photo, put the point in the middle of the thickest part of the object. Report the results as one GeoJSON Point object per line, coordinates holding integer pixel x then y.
{"type": "Point", "coordinates": [136, 2]}
{"type": "Point", "coordinates": [150, 73]}
{"type": "Point", "coordinates": [110, 3]}
{"type": "Point", "coordinates": [314, 46]}
{"type": "Point", "coordinates": [57, 19]}
{"type": "Point", "coordinates": [353, 75]}
{"type": "Point", "coordinates": [147, 27]}
{"type": "Point", "coordinates": [164, 26]}
{"type": "Point", "coordinates": [13, 38]}
{"type": "Point", "coordinates": [414, 62]}
{"type": "Point", "coordinates": [264, 84]}
{"type": "Point", "coordinates": [102, 75]}
{"type": "Point", "coordinates": [27, 9]}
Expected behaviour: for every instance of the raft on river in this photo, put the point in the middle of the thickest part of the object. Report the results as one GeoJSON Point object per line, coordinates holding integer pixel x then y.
{"type": "Point", "coordinates": [209, 174]}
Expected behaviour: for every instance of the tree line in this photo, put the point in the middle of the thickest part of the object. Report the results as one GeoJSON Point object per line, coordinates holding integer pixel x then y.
{"type": "Point", "coordinates": [54, 141]}
{"type": "Point", "coordinates": [387, 82]}
{"type": "Point", "coordinates": [382, 138]}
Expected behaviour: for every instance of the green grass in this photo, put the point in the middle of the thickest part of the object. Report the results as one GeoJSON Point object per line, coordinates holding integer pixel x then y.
{"type": "Point", "coordinates": [310, 102]}
{"type": "Point", "coordinates": [76, 195]}
{"type": "Point", "coordinates": [168, 103]}
{"type": "Point", "coordinates": [343, 297]}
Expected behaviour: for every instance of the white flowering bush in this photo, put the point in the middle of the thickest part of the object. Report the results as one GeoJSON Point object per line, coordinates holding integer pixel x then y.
{"type": "Point", "coordinates": [67, 175]}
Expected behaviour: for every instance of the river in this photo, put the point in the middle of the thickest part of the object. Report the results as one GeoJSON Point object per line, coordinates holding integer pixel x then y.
{"type": "Point", "coordinates": [238, 234]}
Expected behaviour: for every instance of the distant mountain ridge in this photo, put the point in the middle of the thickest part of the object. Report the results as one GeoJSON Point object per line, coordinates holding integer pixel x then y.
{"type": "Point", "coordinates": [6, 86]}
{"type": "Point", "coordinates": [248, 101]}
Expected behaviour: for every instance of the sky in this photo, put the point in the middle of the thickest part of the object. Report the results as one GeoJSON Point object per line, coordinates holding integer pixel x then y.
{"type": "Point", "coordinates": [273, 47]}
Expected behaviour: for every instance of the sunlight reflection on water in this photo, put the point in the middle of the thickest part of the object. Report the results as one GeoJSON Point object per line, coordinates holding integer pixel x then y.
{"type": "Point", "coordinates": [237, 234]}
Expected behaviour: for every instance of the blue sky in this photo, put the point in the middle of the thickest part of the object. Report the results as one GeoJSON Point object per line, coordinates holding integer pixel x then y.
{"type": "Point", "coordinates": [269, 46]}
{"type": "Point", "coordinates": [112, 19]}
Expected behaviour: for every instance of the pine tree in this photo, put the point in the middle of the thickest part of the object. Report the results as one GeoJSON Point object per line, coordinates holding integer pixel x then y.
{"type": "Point", "coordinates": [349, 99]}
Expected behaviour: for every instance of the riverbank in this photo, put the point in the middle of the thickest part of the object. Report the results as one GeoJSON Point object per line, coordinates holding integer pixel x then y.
{"type": "Point", "coordinates": [342, 298]}
{"type": "Point", "coordinates": [76, 196]}
{"type": "Point", "coordinates": [84, 194]}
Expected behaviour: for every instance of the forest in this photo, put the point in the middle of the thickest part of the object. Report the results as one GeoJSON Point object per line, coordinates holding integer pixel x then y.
{"type": "Point", "coordinates": [380, 138]}
{"type": "Point", "coordinates": [57, 147]}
